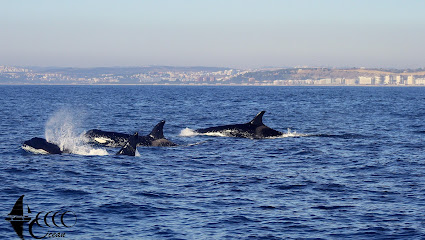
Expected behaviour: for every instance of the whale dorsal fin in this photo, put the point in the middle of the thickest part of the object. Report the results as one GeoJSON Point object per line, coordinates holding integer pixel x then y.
{"type": "Point", "coordinates": [130, 147]}
{"type": "Point", "coordinates": [157, 132]}
{"type": "Point", "coordinates": [258, 120]}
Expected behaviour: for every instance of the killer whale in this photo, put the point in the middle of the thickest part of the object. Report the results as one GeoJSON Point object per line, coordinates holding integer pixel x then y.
{"type": "Point", "coordinates": [254, 129]}
{"type": "Point", "coordinates": [114, 139]}
{"type": "Point", "coordinates": [130, 147]}
{"type": "Point", "coordinates": [42, 146]}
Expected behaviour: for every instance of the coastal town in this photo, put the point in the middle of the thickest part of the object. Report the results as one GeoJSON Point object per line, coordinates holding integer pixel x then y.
{"type": "Point", "coordinates": [166, 75]}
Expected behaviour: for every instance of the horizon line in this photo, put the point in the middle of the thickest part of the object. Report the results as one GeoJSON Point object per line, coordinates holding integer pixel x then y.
{"type": "Point", "coordinates": [206, 66]}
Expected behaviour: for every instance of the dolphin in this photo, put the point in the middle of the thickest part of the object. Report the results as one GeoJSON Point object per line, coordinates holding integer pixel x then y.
{"type": "Point", "coordinates": [254, 129]}
{"type": "Point", "coordinates": [42, 146]}
{"type": "Point", "coordinates": [114, 139]}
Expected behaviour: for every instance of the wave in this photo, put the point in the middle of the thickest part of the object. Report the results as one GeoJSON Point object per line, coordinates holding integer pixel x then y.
{"type": "Point", "coordinates": [61, 128]}
{"type": "Point", "coordinates": [343, 136]}
{"type": "Point", "coordinates": [290, 133]}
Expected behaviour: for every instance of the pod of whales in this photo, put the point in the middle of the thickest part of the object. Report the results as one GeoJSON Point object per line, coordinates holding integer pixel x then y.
{"type": "Point", "coordinates": [42, 146]}
{"type": "Point", "coordinates": [254, 129]}
{"type": "Point", "coordinates": [114, 139]}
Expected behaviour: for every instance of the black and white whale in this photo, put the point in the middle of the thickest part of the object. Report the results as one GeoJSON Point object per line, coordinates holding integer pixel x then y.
{"type": "Point", "coordinates": [130, 147]}
{"type": "Point", "coordinates": [254, 129]}
{"type": "Point", "coordinates": [42, 146]}
{"type": "Point", "coordinates": [114, 139]}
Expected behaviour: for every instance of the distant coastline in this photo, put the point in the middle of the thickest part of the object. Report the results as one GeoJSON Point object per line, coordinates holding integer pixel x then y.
{"type": "Point", "coordinates": [211, 76]}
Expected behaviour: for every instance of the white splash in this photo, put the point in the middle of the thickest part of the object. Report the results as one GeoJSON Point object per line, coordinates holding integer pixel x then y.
{"type": "Point", "coordinates": [290, 133]}
{"type": "Point", "coordinates": [187, 132]}
{"type": "Point", "coordinates": [137, 154]}
{"type": "Point", "coordinates": [61, 130]}
{"type": "Point", "coordinates": [194, 144]}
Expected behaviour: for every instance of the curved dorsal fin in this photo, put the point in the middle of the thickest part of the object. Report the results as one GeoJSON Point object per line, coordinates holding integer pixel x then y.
{"type": "Point", "coordinates": [130, 147]}
{"type": "Point", "coordinates": [258, 120]}
{"type": "Point", "coordinates": [157, 132]}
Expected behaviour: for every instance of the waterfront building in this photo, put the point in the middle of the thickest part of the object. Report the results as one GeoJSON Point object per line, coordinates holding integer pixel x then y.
{"type": "Point", "coordinates": [338, 81]}
{"type": "Point", "coordinates": [420, 81]}
{"type": "Point", "coordinates": [366, 80]}
{"type": "Point", "coordinates": [411, 80]}
{"type": "Point", "coordinates": [350, 81]}
{"type": "Point", "coordinates": [388, 80]}
{"type": "Point", "coordinates": [378, 80]}
{"type": "Point", "coordinates": [399, 80]}
{"type": "Point", "coordinates": [325, 81]}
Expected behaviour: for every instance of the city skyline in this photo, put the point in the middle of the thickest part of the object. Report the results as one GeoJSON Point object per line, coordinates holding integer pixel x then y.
{"type": "Point", "coordinates": [234, 33]}
{"type": "Point", "coordinates": [163, 75]}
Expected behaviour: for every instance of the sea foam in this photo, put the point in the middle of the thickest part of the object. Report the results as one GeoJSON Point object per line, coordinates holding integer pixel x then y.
{"type": "Point", "coordinates": [61, 128]}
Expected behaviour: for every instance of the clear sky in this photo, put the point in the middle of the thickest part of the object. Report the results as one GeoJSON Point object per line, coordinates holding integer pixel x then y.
{"type": "Point", "coordinates": [235, 33]}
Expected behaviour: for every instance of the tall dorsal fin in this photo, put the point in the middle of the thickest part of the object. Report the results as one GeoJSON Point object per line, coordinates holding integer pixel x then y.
{"type": "Point", "coordinates": [258, 120]}
{"type": "Point", "coordinates": [157, 132]}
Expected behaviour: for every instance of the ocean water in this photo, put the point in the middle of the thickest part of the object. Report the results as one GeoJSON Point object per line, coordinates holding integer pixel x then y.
{"type": "Point", "coordinates": [350, 165]}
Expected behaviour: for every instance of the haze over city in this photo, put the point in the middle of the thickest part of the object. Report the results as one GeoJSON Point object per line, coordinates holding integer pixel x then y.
{"type": "Point", "coordinates": [230, 33]}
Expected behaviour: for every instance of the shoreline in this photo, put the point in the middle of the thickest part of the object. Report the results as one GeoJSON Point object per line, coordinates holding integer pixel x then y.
{"type": "Point", "coordinates": [201, 85]}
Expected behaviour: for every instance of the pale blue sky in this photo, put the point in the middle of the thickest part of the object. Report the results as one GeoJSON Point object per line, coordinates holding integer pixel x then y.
{"type": "Point", "coordinates": [235, 33]}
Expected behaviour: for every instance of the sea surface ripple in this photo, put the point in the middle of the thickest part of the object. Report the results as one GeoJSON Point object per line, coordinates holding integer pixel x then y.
{"type": "Point", "coordinates": [354, 170]}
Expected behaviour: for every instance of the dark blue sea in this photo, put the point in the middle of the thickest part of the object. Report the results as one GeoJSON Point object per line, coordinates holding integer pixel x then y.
{"type": "Point", "coordinates": [351, 164]}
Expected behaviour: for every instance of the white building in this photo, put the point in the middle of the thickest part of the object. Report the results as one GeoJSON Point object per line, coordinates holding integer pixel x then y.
{"type": "Point", "coordinates": [411, 80]}
{"type": "Point", "coordinates": [350, 81]}
{"type": "Point", "coordinates": [338, 81]}
{"type": "Point", "coordinates": [378, 80]}
{"type": "Point", "coordinates": [366, 81]}
{"type": "Point", "coordinates": [325, 81]}
{"type": "Point", "coordinates": [388, 80]}
{"type": "Point", "coordinates": [420, 81]}
{"type": "Point", "coordinates": [399, 80]}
